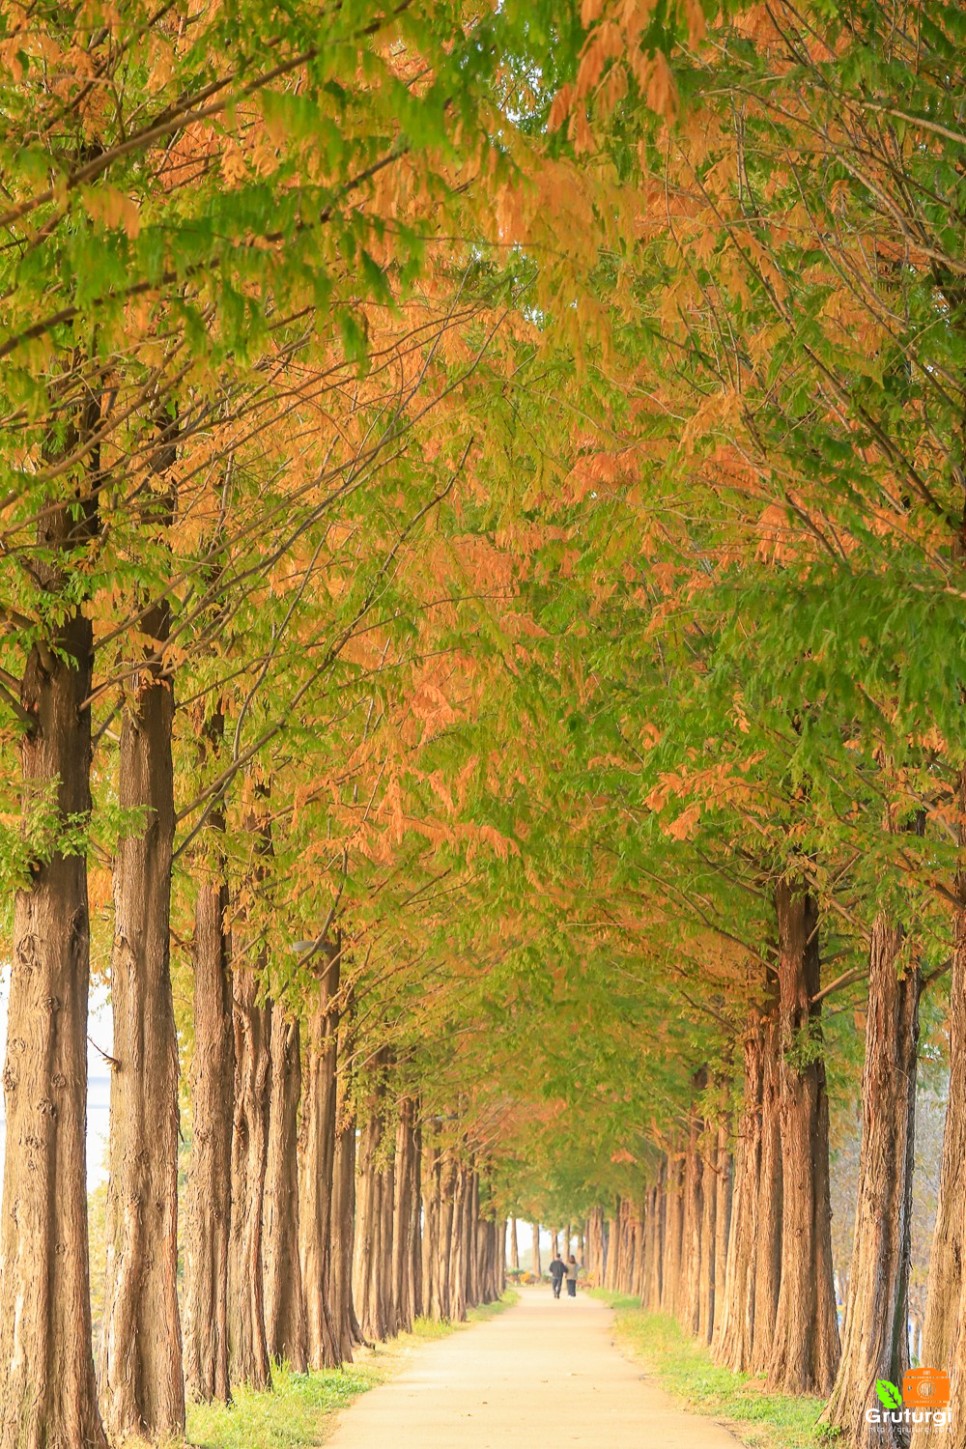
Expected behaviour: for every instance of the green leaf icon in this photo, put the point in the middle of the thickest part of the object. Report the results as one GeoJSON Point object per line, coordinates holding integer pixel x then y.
{"type": "Point", "coordinates": [889, 1395]}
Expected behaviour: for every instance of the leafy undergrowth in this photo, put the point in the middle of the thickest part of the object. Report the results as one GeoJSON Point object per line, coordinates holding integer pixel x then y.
{"type": "Point", "coordinates": [299, 1411]}
{"type": "Point", "coordinates": [684, 1368]}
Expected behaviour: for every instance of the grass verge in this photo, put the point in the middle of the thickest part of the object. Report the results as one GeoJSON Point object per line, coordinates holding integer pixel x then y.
{"type": "Point", "coordinates": [684, 1367]}
{"type": "Point", "coordinates": [300, 1410]}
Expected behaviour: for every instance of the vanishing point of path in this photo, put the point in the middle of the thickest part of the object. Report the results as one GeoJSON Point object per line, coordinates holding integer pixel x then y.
{"type": "Point", "coordinates": [541, 1375]}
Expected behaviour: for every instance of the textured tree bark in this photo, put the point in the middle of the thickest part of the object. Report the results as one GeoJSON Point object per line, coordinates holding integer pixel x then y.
{"type": "Point", "coordinates": [471, 1238]}
{"type": "Point", "coordinates": [447, 1208]}
{"type": "Point", "coordinates": [343, 1234]}
{"type": "Point", "coordinates": [318, 1159]}
{"type": "Point", "coordinates": [693, 1264]}
{"type": "Point", "coordinates": [372, 1272]}
{"type": "Point", "coordinates": [875, 1340]}
{"type": "Point", "coordinates": [770, 1193]}
{"type": "Point", "coordinates": [535, 1249]}
{"type": "Point", "coordinates": [367, 1207]}
{"type": "Point", "coordinates": [47, 1388]}
{"type": "Point", "coordinates": [514, 1245]}
{"type": "Point", "coordinates": [673, 1245]}
{"type": "Point", "coordinates": [458, 1246]}
{"type": "Point", "coordinates": [612, 1232]}
{"type": "Point", "coordinates": [708, 1248]}
{"type": "Point", "coordinates": [944, 1329]}
{"type": "Point", "coordinates": [406, 1290]}
{"type": "Point", "coordinates": [805, 1351]}
{"type": "Point", "coordinates": [430, 1179]}
{"type": "Point", "coordinates": [384, 1285]}
{"type": "Point", "coordinates": [142, 1377]}
{"type": "Point", "coordinates": [208, 1192]}
{"type": "Point", "coordinates": [248, 1347]}
{"type": "Point", "coordinates": [286, 1328]}
{"type": "Point", "coordinates": [722, 1223]}
{"type": "Point", "coordinates": [734, 1330]}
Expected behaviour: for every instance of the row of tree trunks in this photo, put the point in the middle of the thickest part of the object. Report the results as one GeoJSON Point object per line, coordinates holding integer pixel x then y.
{"type": "Point", "coordinates": [754, 1233]}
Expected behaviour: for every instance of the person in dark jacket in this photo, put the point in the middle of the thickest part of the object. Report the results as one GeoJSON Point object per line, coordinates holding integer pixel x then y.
{"type": "Point", "coordinates": [558, 1271]}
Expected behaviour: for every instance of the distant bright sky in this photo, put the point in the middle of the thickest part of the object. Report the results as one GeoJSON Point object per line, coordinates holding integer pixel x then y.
{"type": "Point", "coordinates": [99, 1082]}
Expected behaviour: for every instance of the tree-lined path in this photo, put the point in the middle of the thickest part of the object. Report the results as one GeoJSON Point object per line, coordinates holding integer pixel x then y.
{"type": "Point", "coordinates": [543, 1375]}
{"type": "Point", "coordinates": [482, 666]}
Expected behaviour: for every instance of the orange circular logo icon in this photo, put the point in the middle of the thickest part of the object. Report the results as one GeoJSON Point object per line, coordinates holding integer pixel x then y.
{"type": "Point", "coordinates": [925, 1388]}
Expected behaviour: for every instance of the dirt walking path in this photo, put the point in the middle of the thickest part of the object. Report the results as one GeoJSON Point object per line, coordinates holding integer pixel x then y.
{"type": "Point", "coordinates": [542, 1375]}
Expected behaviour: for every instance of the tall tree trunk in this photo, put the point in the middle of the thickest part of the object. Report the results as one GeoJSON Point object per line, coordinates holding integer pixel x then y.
{"type": "Point", "coordinates": [673, 1245]}
{"type": "Point", "coordinates": [875, 1340]}
{"type": "Point", "coordinates": [612, 1233]}
{"type": "Point", "coordinates": [514, 1246]}
{"type": "Point", "coordinates": [246, 1285]}
{"type": "Point", "coordinates": [384, 1291]}
{"type": "Point", "coordinates": [944, 1329]}
{"type": "Point", "coordinates": [431, 1186]}
{"type": "Point", "coordinates": [47, 1386]}
{"type": "Point", "coordinates": [805, 1351]}
{"type": "Point", "coordinates": [694, 1267]}
{"type": "Point", "coordinates": [208, 1193]}
{"type": "Point", "coordinates": [142, 1369]}
{"type": "Point", "coordinates": [286, 1328]}
{"type": "Point", "coordinates": [535, 1249]}
{"type": "Point", "coordinates": [372, 1271]}
{"type": "Point", "coordinates": [318, 1158]}
{"type": "Point", "coordinates": [343, 1232]}
{"type": "Point", "coordinates": [367, 1209]}
{"type": "Point", "coordinates": [769, 1191]}
{"type": "Point", "coordinates": [406, 1217]}
{"type": "Point", "coordinates": [459, 1247]}
{"type": "Point", "coordinates": [708, 1247]}
{"type": "Point", "coordinates": [722, 1223]}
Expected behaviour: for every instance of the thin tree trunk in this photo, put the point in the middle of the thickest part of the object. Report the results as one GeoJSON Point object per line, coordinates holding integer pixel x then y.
{"type": "Point", "coordinates": [318, 1160]}
{"type": "Point", "coordinates": [142, 1369]}
{"type": "Point", "coordinates": [246, 1285]}
{"type": "Point", "coordinates": [708, 1248]}
{"type": "Point", "coordinates": [208, 1192]}
{"type": "Point", "coordinates": [875, 1340]}
{"type": "Point", "coordinates": [430, 1177]}
{"type": "Point", "coordinates": [944, 1329]}
{"type": "Point", "coordinates": [722, 1224]}
{"type": "Point", "coordinates": [693, 1265]}
{"type": "Point", "coordinates": [459, 1247]}
{"type": "Point", "coordinates": [447, 1207]}
{"type": "Point", "coordinates": [671, 1284]}
{"type": "Point", "coordinates": [405, 1251]}
{"type": "Point", "coordinates": [535, 1249]}
{"type": "Point", "coordinates": [514, 1246]}
{"type": "Point", "coordinates": [47, 1386]}
{"type": "Point", "coordinates": [286, 1328]}
{"type": "Point", "coordinates": [343, 1229]}
{"type": "Point", "coordinates": [805, 1351]}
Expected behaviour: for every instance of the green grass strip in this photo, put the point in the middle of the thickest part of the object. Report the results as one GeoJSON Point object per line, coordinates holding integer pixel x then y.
{"type": "Point", "coordinates": [299, 1411]}
{"type": "Point", "coordinates": [684, 1368]}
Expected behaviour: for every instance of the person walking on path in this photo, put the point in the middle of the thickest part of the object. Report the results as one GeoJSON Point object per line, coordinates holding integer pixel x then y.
{"type": "Point", "coordinates": [572, 1269]}
{"type": "Point", "coordinates": [558, 1271]}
